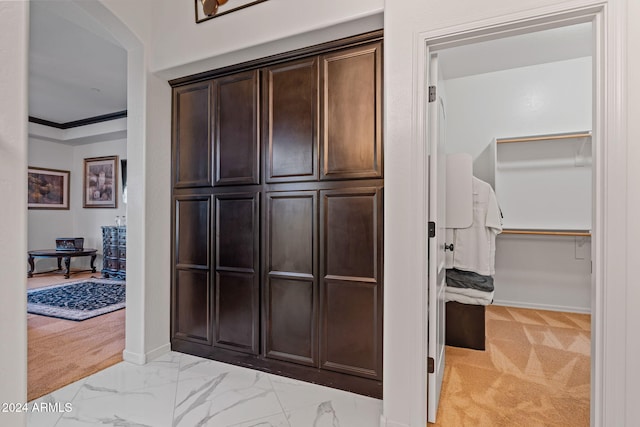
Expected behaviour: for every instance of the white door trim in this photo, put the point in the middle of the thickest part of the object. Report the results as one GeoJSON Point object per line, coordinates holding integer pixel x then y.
{"type": "Point", "coordinates": [610, 193]}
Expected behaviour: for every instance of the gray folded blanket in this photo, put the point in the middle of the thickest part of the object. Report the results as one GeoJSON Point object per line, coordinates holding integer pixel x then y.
{"type": "Point", "coordinates": [469, 280]}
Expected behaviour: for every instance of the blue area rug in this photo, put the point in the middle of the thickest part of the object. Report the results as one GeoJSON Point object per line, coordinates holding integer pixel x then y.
{"type": "Point", "coordinates": [78, 300]}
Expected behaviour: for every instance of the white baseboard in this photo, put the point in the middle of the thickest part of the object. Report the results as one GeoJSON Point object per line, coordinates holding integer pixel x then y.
{"type": "Point", "coordinates": [141, 359]}
{"type": "Point", "coordinates": [384, 422]}
{"type": "Point", "coordinates": [550, 307]}
{"type": "Point", "coordinates": [154, 354]}
{"type": "Point", "coordinates": [135, 358]}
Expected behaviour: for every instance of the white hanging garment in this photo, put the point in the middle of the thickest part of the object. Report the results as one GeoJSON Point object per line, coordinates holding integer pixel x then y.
{"type": "Point", "coordinates": [475, 246]}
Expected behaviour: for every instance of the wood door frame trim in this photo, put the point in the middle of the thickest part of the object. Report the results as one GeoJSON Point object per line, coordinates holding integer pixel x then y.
{"type": "Point", "coordinates": [606, 127]}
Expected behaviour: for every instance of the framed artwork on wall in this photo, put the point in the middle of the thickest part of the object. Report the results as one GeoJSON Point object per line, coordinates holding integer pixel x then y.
{"type": "Point", "coordinates": [209, 9]}
{"type": "Point", "coordinates": [100, 186]}
{"type": "Point", "coordinates": [47, 188]}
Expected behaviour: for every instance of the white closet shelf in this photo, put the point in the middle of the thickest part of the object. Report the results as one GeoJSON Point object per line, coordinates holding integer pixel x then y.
{"type": "Point", "coordinates": [554, 136]}
{"type": "Point", "coordinates": [585, 233]}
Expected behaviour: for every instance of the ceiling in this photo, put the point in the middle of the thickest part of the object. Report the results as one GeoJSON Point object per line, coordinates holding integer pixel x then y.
{"type": "Point", "coordinates": [557, 44]}
{"type": "Point", "coordinates": [76, 69]}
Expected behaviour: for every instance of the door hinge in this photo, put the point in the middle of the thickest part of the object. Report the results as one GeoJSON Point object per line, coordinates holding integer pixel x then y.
{"type": "Point", "coordinates": [432, 93]}
{"type": "Point", "coordinates": [432, 229]}
{"type": "Point", "coordinates": [431, 365]}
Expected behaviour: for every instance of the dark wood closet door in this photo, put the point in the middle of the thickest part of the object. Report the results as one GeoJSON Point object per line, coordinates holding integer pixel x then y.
{"type": "Point", "coordinates": [352, 113]}
{"type": "Point", "coordinates": [192, 136]}
{"type": "Point", "coordinates": [290, 121]}
{"type": "Point", "coordinates": [291, 292]}
{"type": "Point", "coordinates": [236, 129]}
{"type": "Point", "coordinates": [351, 275]}
{"type": "Point", "coordinates": [277, 244]}
{"type": "Point", "coordinates": [192, 292]}
{"type": "Point", "coordinates": [237, 289]}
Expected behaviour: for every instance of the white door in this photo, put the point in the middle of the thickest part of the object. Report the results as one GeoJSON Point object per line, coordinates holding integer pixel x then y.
{"type": "Point", "coordinates": [437, 271]}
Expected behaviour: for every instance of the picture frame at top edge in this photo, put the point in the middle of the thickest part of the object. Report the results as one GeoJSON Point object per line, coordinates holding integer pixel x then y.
{"type": "Point", "coordinates": [229, 7]}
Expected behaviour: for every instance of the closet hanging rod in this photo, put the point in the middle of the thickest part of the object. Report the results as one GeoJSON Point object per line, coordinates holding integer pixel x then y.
{"type": "Point", "coordinates": [579, 233]}
{"type": "Point", "coordinates": [582, 134]}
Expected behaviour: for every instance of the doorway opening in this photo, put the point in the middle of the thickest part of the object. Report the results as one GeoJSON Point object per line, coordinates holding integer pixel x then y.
{"type": "Point", "coordinates": [521, 101]}
{"type": "Point", "coordinates": [82, 114]}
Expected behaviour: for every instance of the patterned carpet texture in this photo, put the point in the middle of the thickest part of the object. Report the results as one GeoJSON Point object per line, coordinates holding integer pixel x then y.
{"type": "Point", "coordinates": [535, 372]}
{"type": "Point", "coordinates": [78, 300]}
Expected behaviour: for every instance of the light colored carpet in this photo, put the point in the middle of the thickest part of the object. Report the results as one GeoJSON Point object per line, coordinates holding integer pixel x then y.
{"type": "Point", "coordinates": [535, 372]}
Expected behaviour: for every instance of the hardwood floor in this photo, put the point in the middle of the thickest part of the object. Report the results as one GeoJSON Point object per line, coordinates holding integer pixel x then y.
{"type": "Point", "coordinates": [63, 351]}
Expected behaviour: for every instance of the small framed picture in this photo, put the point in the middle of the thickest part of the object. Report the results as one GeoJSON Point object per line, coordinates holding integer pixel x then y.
{"type": "Point", "coordinates": [209, 9]}
{"type": "Point", "coordinates": [100, 182]}
{"type": "Point", "coordinates": [47, 188]}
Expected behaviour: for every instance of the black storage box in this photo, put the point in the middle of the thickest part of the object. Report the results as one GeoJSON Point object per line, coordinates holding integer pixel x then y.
{"type": "Point", "coordinates": [465, 325]}
{"type": "Point", "coordinates": [69, 243]}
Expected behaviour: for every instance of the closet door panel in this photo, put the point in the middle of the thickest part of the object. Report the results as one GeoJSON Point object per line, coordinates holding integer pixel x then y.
{"type": "Point", "coordinates": [290, 122]}
{"type": "Point", "coordinates": [192, 302]}
{"type": "Point", "coordinates": [291, 221]}
{"type": "Point", "coordinates": [192, 318]}
{"type": "Point", "coordinates": [236, 129]}
{"type": "Point", "coordinates": [291, 320]}
{"type": "Point", "coordinates": [350, 246]}
{"type": "Point", "coordinates": [350, 287]}
{"type": "Point", "coordinates": [237, 311]}
{"type": "Point", "coordinates": [237, 272]}
{"type": "Point", "coordinates": [193, 230]}
{"type": "Point", "coordinates": [351, 113]}
{"type": "Point", "coordinates": [192, 135]}
{"type": "Point", "coordinates": [291, 281]}
{"type": "Point", "coordinates": [236, 231]}
{"type": "Point", "coordinates": [350, 337]}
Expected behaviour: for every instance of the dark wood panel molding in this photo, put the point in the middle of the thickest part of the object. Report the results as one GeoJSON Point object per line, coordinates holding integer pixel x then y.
{"type": "Point", "coordinates": [350, 281]}
{"type": "Point", "coordinates": [191, 148]}
{"type": "Point", "coordinates": [191, 290]}
{"type": "Point", "coordinates": [351, 99]}
{"type": "Point", "coordinates": [236, 129]}
{"type": "Point", "coordinates": [82, 122]}
{"type": "Point", "coordinates": [290, 300]}
{"type": "Point", "coordinates": [237, 312]}
{"type": "Point", "coordinates": [237, 278]}
{"type": "Point", "coordinates": [290, 121]}
{"type": "Point", "coordinates": [347, 307]}
{"type": "Point", "coordinates": [192, 308]}
{"type": "Point", "coordinates": [193, 217]}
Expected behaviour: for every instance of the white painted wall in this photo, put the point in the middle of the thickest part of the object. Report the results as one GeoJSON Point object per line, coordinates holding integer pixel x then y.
{"type": "Point", "coordinates": [45, 225]}
{"type": "Point", "coordinates": [539, 99]}
{"type": "Point", "coordinates": [531, 271]}
{"type": "Point", "coordinates": [545, 272]}
{"type": "Point", "coordinates": [87, 221]}
{"type": "Point", "coordinates": [261, 24]}
{"type": "Point", "coordinates": [14, 20]}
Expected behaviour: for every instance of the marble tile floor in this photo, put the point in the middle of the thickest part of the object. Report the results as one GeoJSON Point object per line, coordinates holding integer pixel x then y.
{"type": "Point", "coordinates": [180, 390]}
